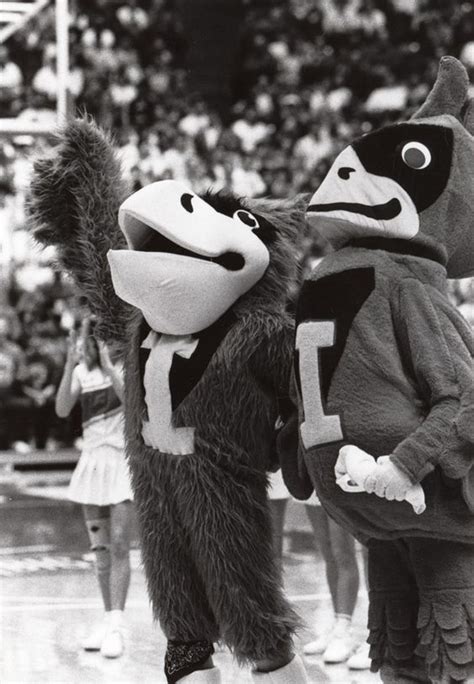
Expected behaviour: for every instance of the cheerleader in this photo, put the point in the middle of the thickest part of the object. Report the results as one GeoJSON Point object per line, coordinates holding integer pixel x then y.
{"type": "Point", "coordinates": [337, 644]}
{"type": "Point", "coordinates": [100, 481]}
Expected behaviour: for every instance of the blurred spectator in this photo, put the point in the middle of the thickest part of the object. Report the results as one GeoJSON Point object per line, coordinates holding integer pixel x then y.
{"type": "Point", "coordinates": [314, 146]}
{"type": "Point", "coordinates": [122, 93]}
{"type": "Point", "coordinates": [341, 16]}
{"type": "Point", "coordinates": [246, 180]}
{"type": "Point", "coordinates": [45, 81]}
{"type": "Point", "coordinates": [12, 373]}
{"type": "Point", "coordinates": [11, 81]}
{"type": "Point", "coordinates": [176, 157]}
{"type": "Point", "coordinates": [356, 63]}
{"type": "Point", "coordinates": [129, 152]}
{"type": "Point", "coordinates": [39, 391]}
{"type": "Point", "coordinates": [250, 130]}
{"type": "Point", "coordinates": [196, 121]}
{"type": "Point", "coordinates": [132, 17]}
{"type": "Point", "coordinates": [390, 97]}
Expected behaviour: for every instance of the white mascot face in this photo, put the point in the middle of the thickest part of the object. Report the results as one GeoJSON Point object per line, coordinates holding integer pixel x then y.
{"type": "Point", "coordinates": [187, 263]}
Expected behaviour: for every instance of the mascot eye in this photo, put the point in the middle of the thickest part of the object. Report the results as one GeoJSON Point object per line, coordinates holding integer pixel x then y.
{"type": "Point", "coordinates": [247, 218]}
{"type": "Point", "coordinates": [416, 155]}
{"type": "Point", "coordinates": [186, 202]}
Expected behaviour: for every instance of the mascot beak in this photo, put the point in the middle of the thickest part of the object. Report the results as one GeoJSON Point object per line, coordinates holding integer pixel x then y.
{"type": "Point", "coordinates": [187, 263]}
{"type": "Point", "coordinates": [185, 223]}
{"type": "Point", "coordinates": [351, 202]}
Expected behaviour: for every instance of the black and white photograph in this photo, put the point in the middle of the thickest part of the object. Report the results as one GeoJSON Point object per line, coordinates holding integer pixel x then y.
{"type": "Point", "coordinates": [236, 342]}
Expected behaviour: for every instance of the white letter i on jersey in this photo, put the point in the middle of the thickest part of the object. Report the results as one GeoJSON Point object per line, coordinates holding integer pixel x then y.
{"type": "Point", "coordinates": [317, 428]}
{"type": "Point", "coordinates": [158, 431]}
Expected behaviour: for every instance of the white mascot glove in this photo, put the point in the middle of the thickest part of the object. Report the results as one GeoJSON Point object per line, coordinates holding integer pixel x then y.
{"type": "Point", "coordinates": [387, 481]}
{"type": "Point", "coordinates": [357, 471]}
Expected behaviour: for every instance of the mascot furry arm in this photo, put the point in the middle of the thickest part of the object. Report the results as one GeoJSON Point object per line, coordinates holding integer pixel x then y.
{"type": "Point", "coordinates": [75, 196]}
{"type": "Point", "coordinates": [207, 347]}
{"type": "Point", "coordinates": [384, 365]}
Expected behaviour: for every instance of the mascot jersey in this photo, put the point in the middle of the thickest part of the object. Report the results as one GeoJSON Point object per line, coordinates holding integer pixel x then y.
{"type": "Point", "coordinates": [384, 362]}
{"type": "Point", "coordinates": [360, 317]}
{"type": "Point", "coordinates": [194, 303]}
{"type": "Point", "coordinates": [383, 359]}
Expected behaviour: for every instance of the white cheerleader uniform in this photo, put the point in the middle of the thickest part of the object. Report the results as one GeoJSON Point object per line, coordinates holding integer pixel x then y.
{"type": "Point", "coordinates": [101, 477]}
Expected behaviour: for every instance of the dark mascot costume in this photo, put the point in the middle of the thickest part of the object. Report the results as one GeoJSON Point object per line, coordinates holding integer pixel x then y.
{"type": "Point", "coordinates": [384, 367]}
{"type": "Point", "coordinates": [207, 350]}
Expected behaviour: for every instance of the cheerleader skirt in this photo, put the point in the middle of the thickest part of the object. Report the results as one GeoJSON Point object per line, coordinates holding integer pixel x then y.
{"type": "Point", "coordinates": [101, 478]}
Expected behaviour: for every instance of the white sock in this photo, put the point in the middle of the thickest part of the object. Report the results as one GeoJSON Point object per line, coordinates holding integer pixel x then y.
{"type": "Point", "coordinates": [343, 622]}
{"type": "Point", "coordinates": [115, 618]}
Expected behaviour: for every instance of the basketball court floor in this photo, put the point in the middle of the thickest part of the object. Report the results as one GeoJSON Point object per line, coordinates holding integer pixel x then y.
{"type": "Point", "coordinates": [49, 599]}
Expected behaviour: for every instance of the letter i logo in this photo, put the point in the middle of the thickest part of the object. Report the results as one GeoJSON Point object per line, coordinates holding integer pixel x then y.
{"type": "Point", "coordinates": [317, 428]}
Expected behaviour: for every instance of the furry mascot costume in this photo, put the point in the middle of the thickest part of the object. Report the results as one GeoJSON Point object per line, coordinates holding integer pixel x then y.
{"type": "Point", "coordinates": [383, 368]}
{"type": "Point", "coordinates": [193, 302]}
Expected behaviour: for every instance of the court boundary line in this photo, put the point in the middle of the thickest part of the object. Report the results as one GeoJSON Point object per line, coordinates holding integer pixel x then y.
{"type": "Point", "coordinates": [78, 604]}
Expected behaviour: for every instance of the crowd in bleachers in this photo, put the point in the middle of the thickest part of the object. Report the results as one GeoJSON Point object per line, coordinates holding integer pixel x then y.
{"type": "Point", "coordinates": [33, 328]}
{"type": "Point", "coordinates": [310, 76]}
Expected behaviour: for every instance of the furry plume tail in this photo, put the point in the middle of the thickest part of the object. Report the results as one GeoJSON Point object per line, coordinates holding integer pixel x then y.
{"type": "Point", "coordinates": [74, 202]}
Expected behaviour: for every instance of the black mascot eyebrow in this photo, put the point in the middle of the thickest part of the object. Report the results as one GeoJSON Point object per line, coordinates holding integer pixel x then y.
{"type": "Point", "coordinates": [207, 346]}
{"type": "Point", "coordinates": [383, 369]}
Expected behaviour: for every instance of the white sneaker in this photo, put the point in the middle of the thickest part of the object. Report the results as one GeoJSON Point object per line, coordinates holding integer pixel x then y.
{"type": "Point", "coordinates": [319, 645]}
{"type": "Point", "coordinates": [112, 645]}
{"type": "Point", "coordinates": [360, 659]}
{"type": "Point", "coordinates": [93, 641]}
{"type": "Point", "coordinates": [340, 646]}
